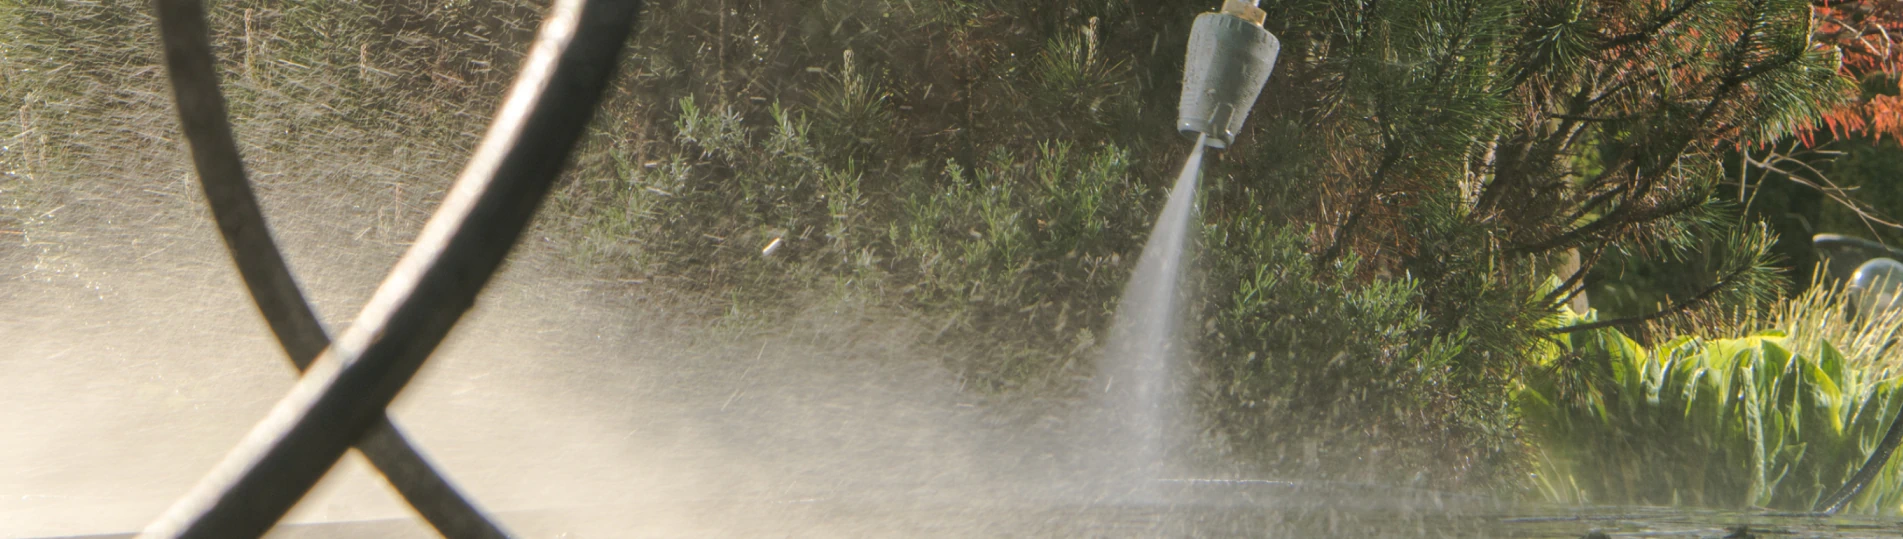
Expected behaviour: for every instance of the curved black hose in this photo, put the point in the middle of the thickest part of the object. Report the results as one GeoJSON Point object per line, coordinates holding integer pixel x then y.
{"type": "Point", "coordinates": [1830, 505]}
{"type": "Point", "coordinates": [343, 394]}
{"type": "Point", "coordinates": [201, 108]}
{"type": "Point", "coordinates": [269, 279]}
{"type": "Point", "coordinates": [202, 115]}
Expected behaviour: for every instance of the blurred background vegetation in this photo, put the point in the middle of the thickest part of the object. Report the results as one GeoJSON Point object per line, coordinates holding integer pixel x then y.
{"type": "Point", "coordinates": [1422, 189]}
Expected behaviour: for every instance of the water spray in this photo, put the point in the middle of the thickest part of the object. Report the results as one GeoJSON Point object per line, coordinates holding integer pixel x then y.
{"type": "Point", "coordinates": [1230, 57]}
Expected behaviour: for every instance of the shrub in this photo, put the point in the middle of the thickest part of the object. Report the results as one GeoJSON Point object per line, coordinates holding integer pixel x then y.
{"type": "Point", "coordinates": [1027, 235]}
{"type": "Point", "coordinates": [1305, 360]}
{"type": "Point", "coordinates": [1772, 419]}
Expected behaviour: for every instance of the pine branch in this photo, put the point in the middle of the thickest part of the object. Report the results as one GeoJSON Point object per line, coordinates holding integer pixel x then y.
{"type": "Point", "coordinates": [1628, 83]}
{"type": "Point", "coordinates": [1572, 286]}
{"type": "Point", "coordinates": [1650, 30]}
{"type": "Point", "coordinates": [1391, 156]}
{"type": "Point", "coordinates": [1532, 149]}
{"type": "Point", "coordinates": [1594, 203]}
{"type": "Point", "coordinates": [1581, 118]}
{"type": "Point", "coordinates": [1676, 308]}
{"type": "Point", "coordinates": [1608, 225]}
{"type": "Point", "coordinates": [1728, 88]}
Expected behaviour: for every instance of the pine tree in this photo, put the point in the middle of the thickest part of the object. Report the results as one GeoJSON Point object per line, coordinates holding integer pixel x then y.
{"type": "Point", "coordinates": [1468, 148]}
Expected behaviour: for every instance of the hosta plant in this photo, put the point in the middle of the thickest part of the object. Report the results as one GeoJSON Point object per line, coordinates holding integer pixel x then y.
{"type": "Point", "coordinates": [1730, 422]}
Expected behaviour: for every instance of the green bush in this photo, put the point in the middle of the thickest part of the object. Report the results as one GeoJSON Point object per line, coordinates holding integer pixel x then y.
{"type": "Point", "coordinates": [1306, 360]}
{"type": "Point", "coordinates": [1737, 422]}
{"type": "Point", "coordinates": [1027, 237]}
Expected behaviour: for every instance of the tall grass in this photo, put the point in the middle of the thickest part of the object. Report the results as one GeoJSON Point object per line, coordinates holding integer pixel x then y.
{"type": "Point", "coordinates": [360, 112]}
{"type": "Point", "coordinates": [1828, 315]}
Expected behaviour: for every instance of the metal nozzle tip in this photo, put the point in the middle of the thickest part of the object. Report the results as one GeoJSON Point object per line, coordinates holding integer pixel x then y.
{"type": "Point", "coordinates": [1245, 10]}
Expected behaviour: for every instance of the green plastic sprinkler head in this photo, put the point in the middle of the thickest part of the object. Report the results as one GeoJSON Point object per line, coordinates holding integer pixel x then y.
{"type": "Point", "coordinates": [1230, 57]}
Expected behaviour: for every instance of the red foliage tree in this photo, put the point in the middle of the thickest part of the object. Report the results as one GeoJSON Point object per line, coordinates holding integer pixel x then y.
{"type": "Point", "coordinates": [1865, 34]}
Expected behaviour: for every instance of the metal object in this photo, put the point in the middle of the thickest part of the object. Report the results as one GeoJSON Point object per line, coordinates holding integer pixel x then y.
{"type": "Point", "coordinates": [1877, 286]}
{"type": "Point", "coordinates": [341, 398]}
{"type": "Point", "coordinates": [1230, 58]}
{"type": "Point", "coordinates": [1842, 255]}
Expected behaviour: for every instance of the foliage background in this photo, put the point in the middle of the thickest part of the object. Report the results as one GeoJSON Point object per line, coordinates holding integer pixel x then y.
{"type": "Point", "coordinates": [1423, 185]}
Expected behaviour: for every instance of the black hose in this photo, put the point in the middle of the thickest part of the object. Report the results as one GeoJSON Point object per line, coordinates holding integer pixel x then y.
{"type": "Point", "coordinates": [342, 396]}
{"type": "Point", "coordinates": [1830, 505]}
{"type": "Point", "coordinates": [201, 108]}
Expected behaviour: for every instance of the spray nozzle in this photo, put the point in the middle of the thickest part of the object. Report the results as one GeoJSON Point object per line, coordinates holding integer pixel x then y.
{"type": "Point", "coordinates": [1230, 58]}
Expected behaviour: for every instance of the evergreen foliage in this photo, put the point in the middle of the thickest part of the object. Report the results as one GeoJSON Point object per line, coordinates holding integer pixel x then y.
{"type": "Point", "coordinates": [1827, 177]}
{"type": "Point", "coordinates": [1470, 147]}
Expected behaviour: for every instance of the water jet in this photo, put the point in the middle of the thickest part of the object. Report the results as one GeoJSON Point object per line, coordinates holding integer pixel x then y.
{"type": "Point", "coordinates": [1229, 60]}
